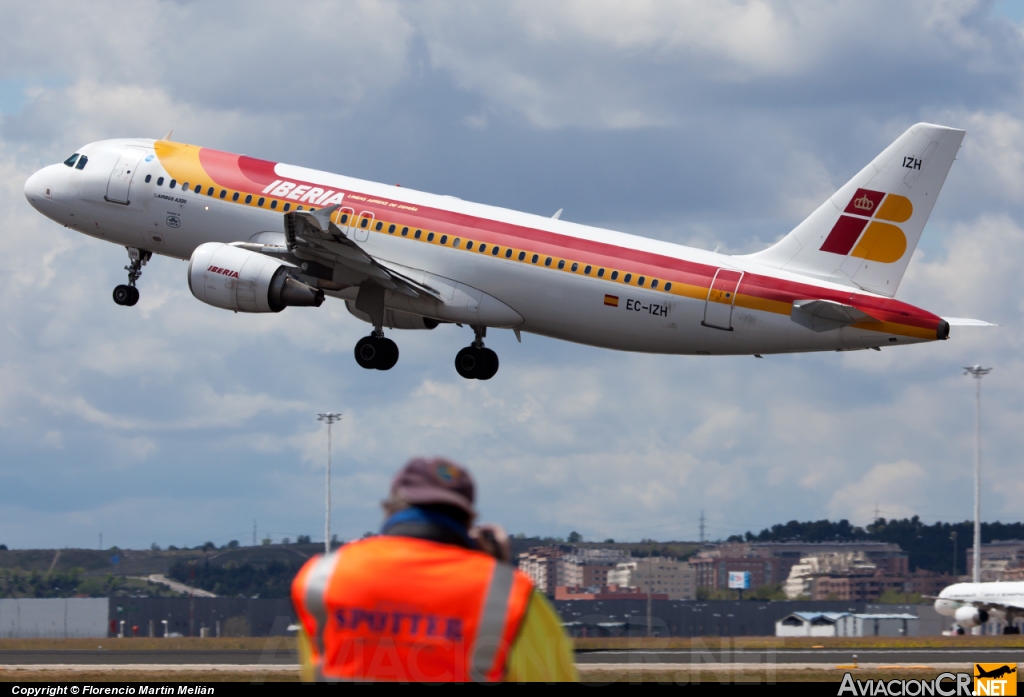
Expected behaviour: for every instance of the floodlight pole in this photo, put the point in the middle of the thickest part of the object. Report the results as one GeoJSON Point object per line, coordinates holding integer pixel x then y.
{"type": "Point", "coordinates": [977, 372]}
{"type": "Point", "coordinates": [330, 417]}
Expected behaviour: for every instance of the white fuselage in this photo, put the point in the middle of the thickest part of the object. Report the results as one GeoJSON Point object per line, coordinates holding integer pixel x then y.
{"type": "Point", "coordinates": [994, 595]}
{"type": "Point", "coordinates": [572, 306]}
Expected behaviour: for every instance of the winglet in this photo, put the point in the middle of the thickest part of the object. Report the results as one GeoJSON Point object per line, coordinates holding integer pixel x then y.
{"type": "Point", "coordinates": [168, 136]}
{"type": "Point", "coordinates": [557, 214]}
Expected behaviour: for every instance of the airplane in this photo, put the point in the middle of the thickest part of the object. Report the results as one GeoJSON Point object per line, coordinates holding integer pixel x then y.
{"type": "Point", "coordinates": [261, 236]}
{"type": "Point", "coordinates": [974, 604]}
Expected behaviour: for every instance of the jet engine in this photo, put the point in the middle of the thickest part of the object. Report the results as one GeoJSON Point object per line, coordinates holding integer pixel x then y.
{"type": "Point", "coordinates": [395, 319]}
{"type": "Point", "coordinates": [243, 281]}
{"type": "Point", "coordinates": [970, 616]}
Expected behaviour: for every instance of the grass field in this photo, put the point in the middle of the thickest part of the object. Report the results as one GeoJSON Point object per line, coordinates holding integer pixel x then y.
{"type": "Point", "coordinates": [607, 676]}
{"type": "Point", "coordinates": [259, 643]}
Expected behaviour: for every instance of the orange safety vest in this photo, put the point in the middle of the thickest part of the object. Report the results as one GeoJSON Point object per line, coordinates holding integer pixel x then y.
{"type": "Point", "coordinates": [410, 610]}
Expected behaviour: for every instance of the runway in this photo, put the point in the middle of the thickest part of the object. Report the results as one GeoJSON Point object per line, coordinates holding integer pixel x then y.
{"type": "Point", "coordinates": [790, 658]}
{"type": "Point", "coordinates": [281, 658]}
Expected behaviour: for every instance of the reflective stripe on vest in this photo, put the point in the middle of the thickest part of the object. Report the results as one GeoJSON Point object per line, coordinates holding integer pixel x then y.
{"type": "Point", "coordinates": [316, 587]}
{"type": "Point", "coordinates": [492, 622]}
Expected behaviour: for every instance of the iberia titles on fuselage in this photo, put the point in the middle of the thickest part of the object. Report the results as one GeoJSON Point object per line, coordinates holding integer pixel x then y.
{"type": "Point", "coordinates": [261, 236]}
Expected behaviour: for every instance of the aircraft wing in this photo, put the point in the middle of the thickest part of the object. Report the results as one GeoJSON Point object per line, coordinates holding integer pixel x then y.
{"type": "Point", "coordinates": [311, 236]}
{"type": "Point", "coordinates": [825, 315]}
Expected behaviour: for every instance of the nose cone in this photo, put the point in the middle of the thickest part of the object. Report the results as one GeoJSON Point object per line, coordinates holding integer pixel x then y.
{"type": "Point", "coordinates": [36, 190]}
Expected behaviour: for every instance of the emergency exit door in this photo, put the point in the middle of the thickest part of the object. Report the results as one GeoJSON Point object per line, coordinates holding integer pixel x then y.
{"type": "Point", "coordinates": [721, 299]}
{"type": "Point", "coordinates": [120, 182]}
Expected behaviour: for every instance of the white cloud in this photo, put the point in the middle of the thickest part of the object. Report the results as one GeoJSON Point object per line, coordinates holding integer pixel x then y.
{"type": "Point", "coordinates": [895, 488]}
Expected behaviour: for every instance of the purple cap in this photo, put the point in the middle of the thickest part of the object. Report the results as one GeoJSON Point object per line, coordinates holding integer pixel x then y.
{"type": "Point", "coordinates": [436, 481]}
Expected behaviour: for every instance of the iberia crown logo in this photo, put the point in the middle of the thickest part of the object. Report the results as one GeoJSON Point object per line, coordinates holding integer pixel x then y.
{"type": "Point", "coordinates": [861, 225]}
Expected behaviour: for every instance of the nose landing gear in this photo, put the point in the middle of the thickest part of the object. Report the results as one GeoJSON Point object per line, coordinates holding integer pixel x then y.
{"type": "Point", "coordinates": [376, 351]}
{"type": "Point", "coordinates": [129, 294]}
{"type": "Point", "coordinates": [475, 362]}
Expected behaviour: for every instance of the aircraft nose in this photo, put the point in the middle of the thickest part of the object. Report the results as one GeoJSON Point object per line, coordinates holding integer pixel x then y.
{"type": "Point", "coordinates": [36, 188]}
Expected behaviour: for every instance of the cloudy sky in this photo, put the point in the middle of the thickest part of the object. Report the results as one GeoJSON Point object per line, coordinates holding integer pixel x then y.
{"type": "Point", "coordinates": [704, 124]}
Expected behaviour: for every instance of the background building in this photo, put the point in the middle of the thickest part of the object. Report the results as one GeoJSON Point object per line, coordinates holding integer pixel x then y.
{"type": "Point", "coordinates": [676, 579]}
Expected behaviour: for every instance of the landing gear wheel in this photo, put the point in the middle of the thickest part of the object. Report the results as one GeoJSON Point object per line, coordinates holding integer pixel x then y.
{"type": "Point", "coordinates": [368, 352]}
{"type": "Point", "coordinates": [125, 295]}
{"type": "Point", "coordinates": [388, 354]}
{"type": "Point", "coordinates": [467, 362]}
{"type": "Point", "coordinates": [488, 364]}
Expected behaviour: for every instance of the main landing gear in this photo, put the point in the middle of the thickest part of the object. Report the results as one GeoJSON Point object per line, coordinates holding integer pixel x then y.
{"type": "Point", "coordinates": [476, 362]}
{"type": "Point", "coordinates": [376, 352]}
{"type": "Point", "coordinates": [129, 294]}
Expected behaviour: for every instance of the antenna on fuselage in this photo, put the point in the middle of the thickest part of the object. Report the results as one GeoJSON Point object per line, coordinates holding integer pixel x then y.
{"type": "Point", "coordinates": [168, 136]}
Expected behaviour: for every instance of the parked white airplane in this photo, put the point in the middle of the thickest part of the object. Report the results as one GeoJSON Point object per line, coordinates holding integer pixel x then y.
{"type": "Point", "coordinates": [974, 604]}
{"type": "Point", "coordinates": [262, 236]}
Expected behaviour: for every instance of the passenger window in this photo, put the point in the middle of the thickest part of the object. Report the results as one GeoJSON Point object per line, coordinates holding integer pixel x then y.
{"type": "Point", "coordinates": [174, 183]}
{"type": "Point", "coordinates": [654, 283]}
{"type": "Point", "coordinates": [627, 278]}
{"type": "Point", "coordinates": [223, 193]}
{"type": "Point", "coordinates": [380, 225]}
{"type": "Point", "coordinates": [534, 260]}
{"type": "Point", "coordinates": [430, 237]}
{"type": "Point", "coordinates": [344, 218]}
{"type": "Point", "coordinates": [287, 207]}
{"type": "Point", "coordinates": [574, 267]}
{"type": "Point", "coordinates": [159, 181]}
{"type": "Point", "coordinates": [362, 223]}
{"type": "Point", "coordinates": [418, 233]}
{"type": "Point", "coordinates": [587, 270]}
{"type": "Point", "coordinates": [234, 196]}
{"type": "Point", "coordinates": [469, 245]}
{"type": "Point", "coordinates": [298, 208]}
{"type": "Point", "coordinates": [444, 239]}
{"type": "Point", "coordinates": [70, 162]}
{"type": "Point", "coordinates": [494, 250]}
{"type": "Point", "coordinates": [600, 273]}
{"type": "Point", "coordinates": [405, 231]}
{"type": "Point", "coordinates": [483, 247]}
{"type": "Point", "coordinates": [198, 188]}
{"type": "Point", "coordinates": [456, 242]}
{"type": "Point", "coordinates": [522, 255]}
{"type": "Point", "coordinates": [184, 187]}
{"type": "Point", "coordinates": [668, 286]}
{"type": "Point", "coordinates": [260, 202]}
{"type": "Point", "coordinates": [508, 253]}
{"type": "Point", "coordinates": [248, 198]}
{"type": "Point", "coordinates": [273, 204]}
{"type": "Point", "coordinates": [391, 229]}
{"type": "Point", "coordinates": [148, 178]}
{"type": "Point", "coordinates": [615, 275]}
{"type": "Point", "coordinates": [547, 262]}
{"type": "Point", "coordinates": [82, 162]}
{"type": "Point", "coordinates": [561, 263]}
{"type": "Point", "coordinates": [209, 192]}
{"type": "Point", "coordinates": [640, 281]}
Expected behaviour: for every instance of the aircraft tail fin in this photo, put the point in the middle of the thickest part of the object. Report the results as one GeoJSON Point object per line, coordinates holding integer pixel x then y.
{"type": "Point", "coordinates": [865, 234]}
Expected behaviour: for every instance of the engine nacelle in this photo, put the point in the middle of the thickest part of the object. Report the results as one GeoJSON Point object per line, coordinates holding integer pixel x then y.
{"type": "Point", "coordinates": [395, 319]}
{"type": "Point", "coordinates": [243, 281]}
{"type": "Point", "coordinates": [970, 616]}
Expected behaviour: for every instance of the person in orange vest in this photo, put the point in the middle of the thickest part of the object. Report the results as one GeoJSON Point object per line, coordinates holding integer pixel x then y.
{"type": "Point", "coordinates": [429, 599]}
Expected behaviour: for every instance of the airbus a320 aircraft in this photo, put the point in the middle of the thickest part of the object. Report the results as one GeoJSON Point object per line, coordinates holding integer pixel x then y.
{"type": "Point", "coordinates": [973, 604]}
{"type": "Point", "coordinates": [261, 236]}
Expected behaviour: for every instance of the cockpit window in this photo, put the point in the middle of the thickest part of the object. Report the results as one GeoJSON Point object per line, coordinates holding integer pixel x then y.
{"type": "Point", "coordinates": [70, 162]}
{"type": "Point", "coordinates": [81, 162]}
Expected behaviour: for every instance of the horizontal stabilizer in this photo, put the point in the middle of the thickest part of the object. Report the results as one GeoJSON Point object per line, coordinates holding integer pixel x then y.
{"type": "Point", "coordinates": [968, 322]}
{"type": "Point", "coordinates": [825, 315]}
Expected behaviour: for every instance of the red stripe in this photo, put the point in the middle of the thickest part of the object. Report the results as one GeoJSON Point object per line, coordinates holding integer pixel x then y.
{"type": "Point", "coordinates": [843, 235]}
{"type": "Point", "coordinates": [251, 175]}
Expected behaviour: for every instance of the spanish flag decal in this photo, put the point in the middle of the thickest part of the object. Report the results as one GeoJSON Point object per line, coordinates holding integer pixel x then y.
{"type": "Point", "coordinates": [612, 300]}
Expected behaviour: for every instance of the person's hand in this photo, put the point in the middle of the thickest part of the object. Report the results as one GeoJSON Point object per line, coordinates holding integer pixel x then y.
{"type": "Point", "coordinates": [492, 540]}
